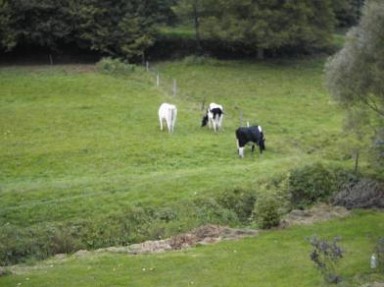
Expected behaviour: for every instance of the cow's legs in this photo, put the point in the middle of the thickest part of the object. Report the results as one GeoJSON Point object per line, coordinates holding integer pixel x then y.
{"type": "Point", "coordinates": [241, 152]}
{"type": "Point", "coordinates": [169, 125]}
{"type": "Point", "coordinates": [161, 124]}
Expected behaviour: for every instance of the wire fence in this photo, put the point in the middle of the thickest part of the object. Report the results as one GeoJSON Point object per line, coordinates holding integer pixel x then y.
{"type": "Point", "coordinates": [170, 88]}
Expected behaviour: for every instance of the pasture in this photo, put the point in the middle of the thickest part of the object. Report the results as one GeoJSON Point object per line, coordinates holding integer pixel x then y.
{"type": "Point", "coordinates": [83, 148]}
{"type": "Point", "coordinates": [82, 144]}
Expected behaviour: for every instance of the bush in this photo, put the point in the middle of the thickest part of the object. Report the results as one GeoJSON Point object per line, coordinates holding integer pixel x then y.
{"type": "Point", "coordinates": [198, 60]}
{"type": "Point", "coordinates": [360, 193]}
{"type": "Point", "coordinates": [37, 242]}
{"type": "Point", "coordinates": [114, 66]}
{"type": "Point", "coordinates": [239, 201]}
{"type": "Point", "coordinates": [266, 211]}
{"type": "Point", "coordinates": [315, 183]}
{"type": "Point", "coordinates": [326, 255]}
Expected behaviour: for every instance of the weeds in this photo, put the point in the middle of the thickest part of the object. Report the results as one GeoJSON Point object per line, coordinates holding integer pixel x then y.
{"type": "Point", "coordinates": [326, 255]}
{"type": "Point", "coordinates": [379, 252]}
{"type": "Point", "coordinates": [114, 66]}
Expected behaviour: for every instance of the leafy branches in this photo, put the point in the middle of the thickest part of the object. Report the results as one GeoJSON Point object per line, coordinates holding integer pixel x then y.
{"type": "Point", "coordinates": [115, 28]}
{"type": "Point", "coordinates": [354, 76]}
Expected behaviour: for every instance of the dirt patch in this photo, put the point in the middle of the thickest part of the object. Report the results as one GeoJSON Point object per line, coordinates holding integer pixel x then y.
{"type": "Point", "coordinates": [318, 213]}
{"type": "Point", "coordinates": [207, 234]}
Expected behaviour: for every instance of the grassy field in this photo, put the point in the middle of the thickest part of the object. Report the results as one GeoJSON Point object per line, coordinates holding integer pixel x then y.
{"type": "Point", "coordinates": [82, 144]}
{"type": "Point", "coordinates": [77, 145]}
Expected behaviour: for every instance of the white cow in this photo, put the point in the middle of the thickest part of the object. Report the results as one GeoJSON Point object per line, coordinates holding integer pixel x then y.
{"type": "Point", "coordinates": [213, 117]}
{"type": "Point", "coordinates": [167, 113]}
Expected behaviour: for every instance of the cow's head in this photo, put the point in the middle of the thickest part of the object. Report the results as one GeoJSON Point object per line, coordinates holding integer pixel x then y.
{"type": "Point", "coordinates": [204, 121]}
{"type": "Point", "coordinates": [262, 143]}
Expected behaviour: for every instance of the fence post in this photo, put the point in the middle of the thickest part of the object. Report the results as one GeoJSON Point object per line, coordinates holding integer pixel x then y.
{"type": "Point", "coordinates": [157, 80]}
{"type": "Point", "coordinates": [147, 66]}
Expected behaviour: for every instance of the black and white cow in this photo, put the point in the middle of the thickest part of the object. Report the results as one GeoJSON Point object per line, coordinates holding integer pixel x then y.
{"type": "Point", "coordinates": [167, 113]}
{"type": "Point", "coordinates": [213, 117]}
{"type": "Point", "coordinates": [253, 134]}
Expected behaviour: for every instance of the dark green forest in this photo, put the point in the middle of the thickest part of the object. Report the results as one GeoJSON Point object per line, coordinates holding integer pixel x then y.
{"type": "Point", "coordinates": [132, 29]}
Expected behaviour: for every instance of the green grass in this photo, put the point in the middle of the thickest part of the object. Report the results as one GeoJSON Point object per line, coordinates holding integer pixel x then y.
{"type": "Point", "coordinates": [82, 146]}
{"type": "Point", "coordinates": [273, 258]}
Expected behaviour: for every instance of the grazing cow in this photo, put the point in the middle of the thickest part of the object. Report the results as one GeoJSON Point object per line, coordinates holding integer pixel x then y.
{"type": "Point", "coordinates": [253, 134]}
{"type": "Point", "coordinates": [168, 113]}
{"type": "Point", "coordinates": [213, 117]}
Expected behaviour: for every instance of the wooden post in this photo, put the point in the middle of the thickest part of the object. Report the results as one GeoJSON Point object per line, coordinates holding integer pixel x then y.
{"type": "Point", "coordinates": [147, 66]}
{"type": "Point", "coordinates": [157, 80]}
{"type": "Point", "coordinates": [356, 160]}
{"type": "Point", "coordinates": [50, 59]}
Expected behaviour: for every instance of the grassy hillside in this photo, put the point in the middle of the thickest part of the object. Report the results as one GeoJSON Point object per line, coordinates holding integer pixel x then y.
{"type": "Point", "coordinates": [85, 144]}
{"type": "Point", "coordinates": [83, 163]}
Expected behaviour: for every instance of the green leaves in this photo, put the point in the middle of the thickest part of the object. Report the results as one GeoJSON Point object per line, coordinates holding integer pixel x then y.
{"type": "Point", "coordinates": [354, 76]}
{"type": "Point", "coordinates": [117, 28]}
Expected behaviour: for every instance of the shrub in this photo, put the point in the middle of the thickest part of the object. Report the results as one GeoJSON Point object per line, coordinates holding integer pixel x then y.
{"type": "Point", "coordinates": [209, 210]}
{"type": "Point", "coordinates": [37, 242]}
{"type": "Point", "coordinates": [241, 202]}
{"type": "Point", "coordinates": [326, 255]}
{"type": "Point", "coordinates": [114, 66]}
{"type": "Point", "coordinates": [266, 211]}
{"type": "Point", "coordinates": [315, 183]}
{"type": "Point", "coordinates": [360, 193]}
{"type": "Point", "coordinates": [198, 60]}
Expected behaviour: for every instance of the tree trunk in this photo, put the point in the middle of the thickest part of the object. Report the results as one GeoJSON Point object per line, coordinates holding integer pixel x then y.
{"type": "Point", "coordinates": [197, 27]}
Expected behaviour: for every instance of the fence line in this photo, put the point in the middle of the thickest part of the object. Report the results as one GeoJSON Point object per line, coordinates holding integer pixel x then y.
{"type": "Point", "coordinates": [170, 87]}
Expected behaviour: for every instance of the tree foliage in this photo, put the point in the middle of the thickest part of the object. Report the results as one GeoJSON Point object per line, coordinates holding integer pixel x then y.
{"type": "Point", "coordinates": [263, 24]}
{"type": "Point", "coordinates": [347, 12]}
{"type": "Point", "coordinates": [113, 27]}
{"type": "Point", "coordinates": [126, 28]}
{"type": "Point", "coordinates": [37, 22]}
{"type": "Point", "coordinates": [354, 76]}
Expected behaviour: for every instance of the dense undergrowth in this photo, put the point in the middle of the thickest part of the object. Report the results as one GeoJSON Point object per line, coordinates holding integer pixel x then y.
{"type": "Point", "coordinates": [260, 207]}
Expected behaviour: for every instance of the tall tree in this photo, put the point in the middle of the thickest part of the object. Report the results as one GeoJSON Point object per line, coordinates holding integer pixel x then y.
{"type": "Point", "coordinates": [347, 12]}
{"type": "Point", "coordinates": [190, 11]}
{"type": "Point", "coordinates": [269, 24]}
{"type": "Point", "coordinates": [354, 76]}
{"type": "Point", "coordinates": [36, 22]}
{"type": "Point", "coordinates": [123, 28]}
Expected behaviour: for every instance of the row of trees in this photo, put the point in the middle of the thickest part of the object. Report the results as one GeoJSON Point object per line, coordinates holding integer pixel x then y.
{"type": "Point", "coordinates": [113, 27]}
{"type": "Point", "coordinates": [127, 28]}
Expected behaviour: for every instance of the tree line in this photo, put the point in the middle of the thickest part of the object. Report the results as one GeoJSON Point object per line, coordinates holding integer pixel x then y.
{"type": "Point", "coordinates": [128, 28]}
